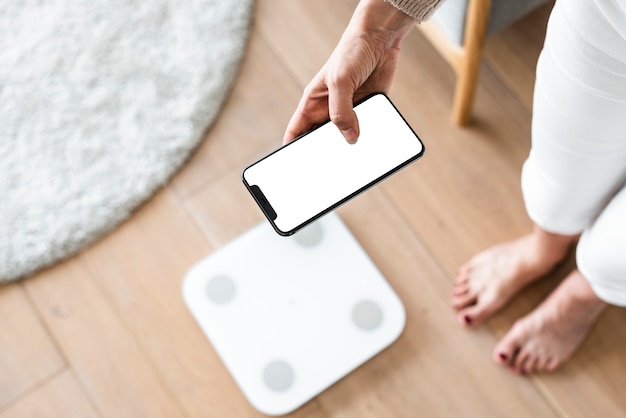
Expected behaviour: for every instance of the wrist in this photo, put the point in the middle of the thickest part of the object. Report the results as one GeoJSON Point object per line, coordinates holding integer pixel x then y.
{"type": "Point", "coordinates": [381, 20]}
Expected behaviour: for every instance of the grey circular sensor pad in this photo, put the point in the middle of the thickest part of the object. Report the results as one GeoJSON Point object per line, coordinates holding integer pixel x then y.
{"type": "Point", "coordinates": [221, 289]}
{"type": "Point", "coordinates": [310, 236]}
{"type": "Point", "coordinates": [278, 376]}
{"type": "Point", "coordinates": [367, 315]}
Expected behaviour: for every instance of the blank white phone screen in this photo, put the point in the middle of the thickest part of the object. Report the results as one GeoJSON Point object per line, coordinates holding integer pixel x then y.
{"type": "Point", "coordinates": [315, 172]}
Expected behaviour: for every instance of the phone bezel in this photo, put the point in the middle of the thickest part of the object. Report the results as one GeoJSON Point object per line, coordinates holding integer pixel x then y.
{"type": "Point", "coordinates": [271, 217]}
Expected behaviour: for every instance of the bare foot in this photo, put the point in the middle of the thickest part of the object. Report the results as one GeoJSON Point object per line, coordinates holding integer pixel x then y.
{"type": "Point", "coordinates": [549, 335]}
{"type": "Point", "coordinates": [485, 283]}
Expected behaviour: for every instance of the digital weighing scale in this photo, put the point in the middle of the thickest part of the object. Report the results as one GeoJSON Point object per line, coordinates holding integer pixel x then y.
{"type": "Point", "coordinates": [290, 316]}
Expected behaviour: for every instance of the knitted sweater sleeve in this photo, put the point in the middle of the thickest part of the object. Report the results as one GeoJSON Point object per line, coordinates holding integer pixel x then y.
{"type": "Point", "coordinates": [420, 10]}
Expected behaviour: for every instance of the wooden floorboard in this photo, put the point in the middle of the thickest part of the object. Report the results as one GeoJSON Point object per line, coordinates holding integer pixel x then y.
{"type": "Point", "coordinates": [28, 354]}
{"type": "Point", "coordinates": [61, 397]}
{"type": "Point", "coordinates": [108, 332]}
{"type": "Point", "coordinates": [302, 34]}
{"type": "Point", "coordinates": [100, 349]}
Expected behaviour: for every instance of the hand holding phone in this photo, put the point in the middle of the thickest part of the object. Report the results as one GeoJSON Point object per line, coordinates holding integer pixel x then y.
{"type": "Point", "coordinates": [319, 171]}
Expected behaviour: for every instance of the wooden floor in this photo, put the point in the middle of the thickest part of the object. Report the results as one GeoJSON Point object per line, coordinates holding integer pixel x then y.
{"type": "Point", "coordinates": [106, 334]}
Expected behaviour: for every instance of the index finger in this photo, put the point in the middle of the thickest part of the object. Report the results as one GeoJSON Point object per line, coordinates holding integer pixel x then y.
{"type": "Point", "coordinates": [309, 113]}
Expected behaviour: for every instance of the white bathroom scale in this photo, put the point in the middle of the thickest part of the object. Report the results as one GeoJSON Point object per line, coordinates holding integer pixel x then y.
{"type": "Point", "coordinates": [289, 316]}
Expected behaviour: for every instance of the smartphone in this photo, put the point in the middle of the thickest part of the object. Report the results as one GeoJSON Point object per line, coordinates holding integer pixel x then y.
{"type": "Point", "coordinates": [320, 170]}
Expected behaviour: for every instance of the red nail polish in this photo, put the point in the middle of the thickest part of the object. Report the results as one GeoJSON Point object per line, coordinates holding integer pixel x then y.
{"type": "Point", "coordinates": [468, 319]}
{"type": "Point", "coordinates": [503, 357]}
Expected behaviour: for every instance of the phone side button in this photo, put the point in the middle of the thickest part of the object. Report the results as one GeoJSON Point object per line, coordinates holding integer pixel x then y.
{"type": "Point", "coordinates": [263, 202]}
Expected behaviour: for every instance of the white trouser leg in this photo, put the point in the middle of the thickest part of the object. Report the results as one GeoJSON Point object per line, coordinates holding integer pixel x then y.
{"type": "Point", "coordinates": [574, 178]}
{"type": "Point", "coordinates": [578, 156]}
{"type": "Point", "coordinates": [601, 252]}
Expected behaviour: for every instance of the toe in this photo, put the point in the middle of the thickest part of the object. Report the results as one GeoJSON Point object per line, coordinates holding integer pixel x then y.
{"type": "Point", "coordinates": [464, 272]}
{"type": "Point", "coordinates": [541, 364]}
{"type": "Point", "coordinates": [522, 365]}
{"type": "Point", "coordinates": [464, 319]}
{"type": "Point", "coordinates": [463, 300]}
{"type": "Point", "coordinates": [533, 366]}
{"type": "Point", "coordinates": [552, 364]}
{"type": "Point", "coordinates": [507, 349]}
{"type": "Point", "coordinates": [501, 358]}
{"type": "Point", "coordinates": [460, 289]}
{"type": "Point", "coordinates": [462, 281]}
{"type": "Point", "coordinates": [479, 312]}
{"type": "Point", "coordinates": [521, 362]}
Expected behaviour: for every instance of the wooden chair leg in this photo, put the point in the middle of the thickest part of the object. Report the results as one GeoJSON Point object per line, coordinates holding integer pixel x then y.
{"type": "Point", "coordinates": [467, 70]}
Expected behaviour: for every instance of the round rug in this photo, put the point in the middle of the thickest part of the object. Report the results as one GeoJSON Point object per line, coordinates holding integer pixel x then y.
{"type": "Point", "coordinates": [101, 101]}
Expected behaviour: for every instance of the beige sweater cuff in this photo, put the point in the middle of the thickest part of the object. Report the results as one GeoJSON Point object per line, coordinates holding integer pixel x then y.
{"type": "Point", "coordinates": [420, 10]}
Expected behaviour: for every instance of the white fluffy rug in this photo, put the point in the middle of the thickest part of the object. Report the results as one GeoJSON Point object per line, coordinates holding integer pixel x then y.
{"type": "Point", "coordinates": [101, 101]}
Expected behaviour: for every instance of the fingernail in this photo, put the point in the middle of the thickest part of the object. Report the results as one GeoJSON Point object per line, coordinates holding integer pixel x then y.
{"type": "Point", "coordinates": [349, 134]}
{"type": "Point", "coordinates": [468, 319]}
{"type": "Point", "coordinates": [503, 357]}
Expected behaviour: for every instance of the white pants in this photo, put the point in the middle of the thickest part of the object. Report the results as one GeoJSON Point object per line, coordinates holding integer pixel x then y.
{"type": "Point", "coordinates": [574, 179]}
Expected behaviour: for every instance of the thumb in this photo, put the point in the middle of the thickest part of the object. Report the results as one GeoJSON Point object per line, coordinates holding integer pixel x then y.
{"type": "Point", "coordinates": [342, 114]}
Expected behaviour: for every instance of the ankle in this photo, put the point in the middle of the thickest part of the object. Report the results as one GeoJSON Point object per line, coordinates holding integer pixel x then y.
{"type": "Point", "coordinates": [576, 297]}
{"type": "Point", "coordinates": [551, 248]}
{"type": "Point", "coordinates": [584, 294]}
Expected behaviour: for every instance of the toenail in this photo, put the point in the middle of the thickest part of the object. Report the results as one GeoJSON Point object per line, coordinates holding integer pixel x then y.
{"type": "Point", "coordinates": [468, 319]}
{"type": "Point", "coordinates": [503, 357]}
